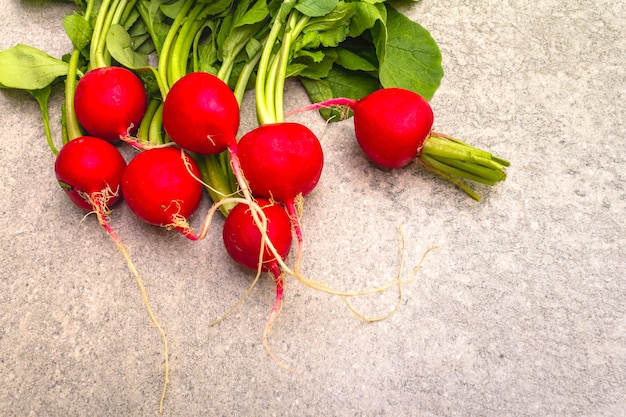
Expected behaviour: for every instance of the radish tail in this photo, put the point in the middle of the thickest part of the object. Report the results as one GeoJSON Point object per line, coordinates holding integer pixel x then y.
{"type": "Point", "coordinates": [236, 166]}
{"type": "Point", "coordinates": [98, 202]}
{"type": "Point", "coordinates": [297, 227]}
{"type": "Point", "coordinates": [335, 102]}
{"type": "Point", "coordinates": [278, 303]}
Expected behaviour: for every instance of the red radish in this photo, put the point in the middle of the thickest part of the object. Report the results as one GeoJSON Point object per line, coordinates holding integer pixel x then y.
{"type": "Point", "coordinates": [201, 114]}
{"type": "Point", "coordinates": [242, 237]}
{"type": "Point", "coordinates": [243, 241]}
{"type": "Point", "coordinates": [90, 172]}
{"type": "Point", "coordinates": [159, 188]}
{"type": "Point", "coordinates": [393, 126]}
{"type": "Point", "coordinates": [110, 102]}
{"type": "Point", "coordinates": [282, 161]}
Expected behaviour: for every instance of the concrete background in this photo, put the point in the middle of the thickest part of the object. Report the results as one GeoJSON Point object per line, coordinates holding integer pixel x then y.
{"type": "Point", "coordinates": [520, 312]}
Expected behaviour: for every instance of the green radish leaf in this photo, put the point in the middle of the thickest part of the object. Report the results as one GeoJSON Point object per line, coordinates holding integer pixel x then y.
{"type": "Point", "coordinates": [216, 7]}
{"type": "Point", "coordinates": [339, 17]}
{"type": "Point", "coordinates": [43, 97]}
{"type": "Point", "coordinates": [316, 8]}
{"type": "Point", "coordinates": [332, 38]}
{"type": "Point", "coordinates": [351, 60]}
{"type": "Point", "coordinates": [312, 64]}
{"type": "Point", "coordinates": [318, 70]}
{"type": "Point", "coordinates": [27, 68]}
{"type": "Point", "coordinates": [121, 48]}
{"type": "Point", "coordinates": [253, 47]}
{"type": "Point", "coordinates": [171, 10]}
{"type": "Point", "coordinates": [412, 58]}
{"type": "Point", "coordinates": [155, 21]}
{"type": "Point", "coordinates": [312, 56]}
{"type": "Point", "coordinates": [79, 31]}
{"type": "Point", "coordinates": [205, 48]}
{"type": "Point", "coordinates": [238, 38]}
{"type": "Point", "coordinates": [365, 16]}
{"type": "Point", "coordinates": [329, 30]}
{"type": "Point", "coordinates": [308, 40]}
{"type": "Point", "coordinates": [339, 83]}
{"type": "Point", "coordinates": [257, 13]}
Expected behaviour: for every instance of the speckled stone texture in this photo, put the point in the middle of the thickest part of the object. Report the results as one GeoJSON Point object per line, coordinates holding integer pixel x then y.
{"type": "Point", "coordinates": [520, 312]}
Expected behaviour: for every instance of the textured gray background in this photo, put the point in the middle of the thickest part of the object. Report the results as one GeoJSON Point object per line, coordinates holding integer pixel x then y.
{"type": "Point", "coordinates": [519, 313]}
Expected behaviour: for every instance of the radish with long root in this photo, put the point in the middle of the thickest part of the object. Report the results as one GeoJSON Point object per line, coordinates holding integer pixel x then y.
{"type": "Point", "coordinates": [248, 246]}
{"type": "Point", "coordinates": [282, 161]}
{"type": "Point", "coordinates": [161, 187]}
{"type": "Point", "coordinates": [393, 126]}
{"type": "Point", "coordinates": [90, 171]}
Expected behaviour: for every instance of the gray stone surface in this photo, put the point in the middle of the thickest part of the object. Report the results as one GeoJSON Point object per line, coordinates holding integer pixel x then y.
{"type": "Point", "coordinates": [520, 312]}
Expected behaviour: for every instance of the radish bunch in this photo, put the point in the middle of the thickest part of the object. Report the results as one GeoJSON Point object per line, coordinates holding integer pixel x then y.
{"type": "Point", "coordinates": [182, 118]}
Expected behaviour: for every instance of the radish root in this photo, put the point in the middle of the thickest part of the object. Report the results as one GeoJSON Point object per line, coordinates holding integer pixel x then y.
{"type": "Point", "coordinates": [99, 202]}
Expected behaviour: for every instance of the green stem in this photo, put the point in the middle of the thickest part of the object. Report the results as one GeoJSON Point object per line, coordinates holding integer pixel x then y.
{"type": "Point", "coordinates": [97, 34]}
{"type": "Point", "coordinates": [143, 133]}
{"type": "Point", "coordinates": [264, 110]}
{"type": "Point", "coordinates": [43, 97]}
{"type": "Point", "coordinates": [433, 166]}
{"type": "Point", "coordinates": [294, 26]}
{"type": "Point", "coordinates": [164, 56]}
{"type": "Point", "coordinates": [89, 9]}
{"type": "Point", "coordinates": [114, 12]}
{"type": "Point", "coordinates": [456, 160]}
{"type": "Point", "coordinates": [454, 171]}
{"type": "Point", "coordinates": [180, 50]}
{"type": "Point", "coordinates": [119, 9]}
{"type": "Point", "coordinates": [155, 132]}
{"type": "Point", "coordinates": [244, 77]}
{"type": "Point", "coordinates": [218, 178]}
{"type": "Point", "coordinates": [129, 10]}
{"type": "Point", "coordinates": [481, 173]}
{"type": "Point", "coordinates": [270, 91]}
{"type": "Point", "coordinates": [72, 126]}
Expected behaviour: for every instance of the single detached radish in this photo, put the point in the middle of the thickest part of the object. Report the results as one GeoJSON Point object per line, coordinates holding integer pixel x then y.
{"type": "Point", "coordinates": [110, 102]}
{"type": "Point", "coordinates": [391, 126]}
{"type": "Point", "coordinates": [394, 126]}
{"type": "Point", "coordinates": [159, 188]}
{"type": "Point", "coordinates": [201, 114]}
{"type": "Point", "coordinates": [282, 161]}
{"type": "Point", "coordinates": [90, 172]}
{"type": "Point", "coordinates": [243, 241]}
